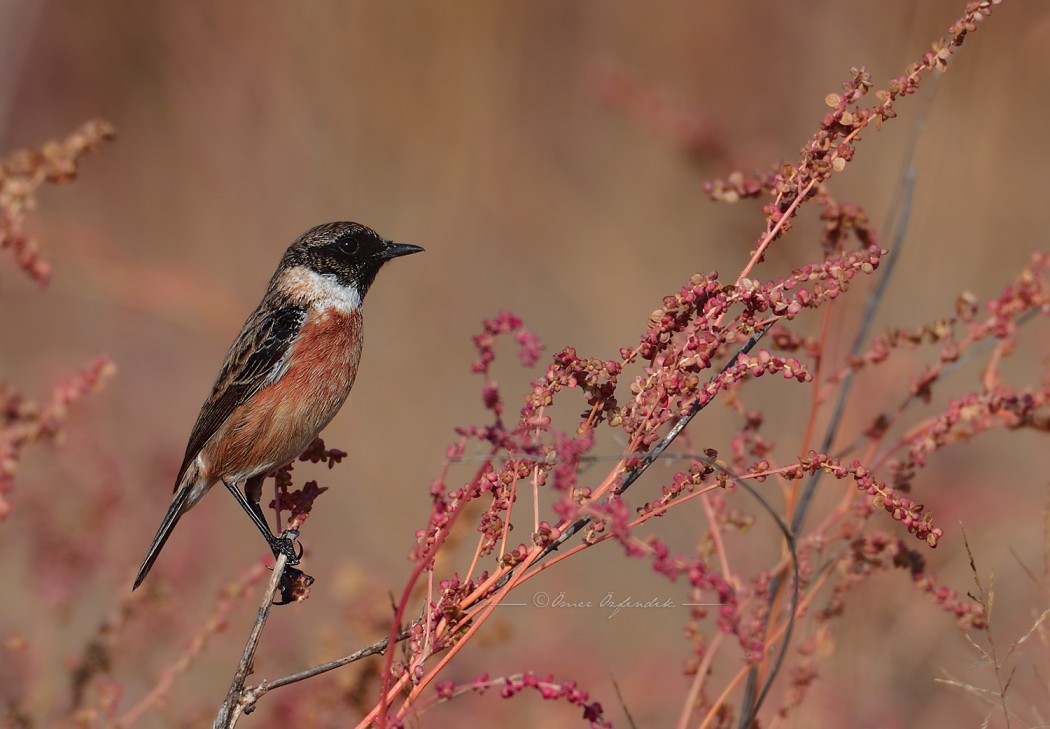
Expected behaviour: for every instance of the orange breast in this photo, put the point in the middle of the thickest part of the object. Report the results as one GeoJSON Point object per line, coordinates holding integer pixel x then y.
{"type": "Point", "coordinates": [280, 420]}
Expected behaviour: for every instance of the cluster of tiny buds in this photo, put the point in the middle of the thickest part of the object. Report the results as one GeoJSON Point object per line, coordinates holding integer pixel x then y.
{"type": "Point", "coordinates": [454, 591]}
{"type": "Point", "coordinates": [514, 557]}
{"type": "Point", "coordinates": [910, 514]}
{"type": "Point", "coordinates": [843, 222]}
{"type": "Point", "coordinates": [998, 407]}
{"type": "Point", "coordinates": [968, 614]}
{"type": "Point", "coordinates": [786, 340]}
{"type": "Point", "coordinates": [441, 513]}
{"type": "Point", "coordinates": [703, 578]}
{"type": "Point", "coordinates": [529, 346]}
{"type": "Point", "coordinates": [681, 483]}
{"type": "Point", "coordinates": [763, 362]}
{"type": "Point", "coordinates": [878, 551]}
{"type": "Point", "coordinates": [597, 378]}
{"type": "Point", "coordinates": [23, 172]}
{"type": "Point", "coordinates": [735, 187]}
{"type": "Point", "coordinates": [23, 422]}
{"type": "Point", "coordinates": [613, 517]}
{"type": "Point", "coordinates": [1029, 292]}
{"type": "Point", "coordinates": [317, 452]}
{"type": "Point", "coordinates": [450, 609]}
{"type": "Point", "coordinates": [545, 534]}
{"type": "Point", "coordinates": [568, 453]}
{"type": "Point", "coordinates": [703, 295]}
{"type": "Point", "coordinates": [700, 304]}
{"type": "Point", "coordinates": [547, 687]}
{"type": "Point", "coordinates": [676, 396]}
{"type": "Point", "coordinates": [832, 147]}
{"type": "Point", "coordinates": [299, 502]}
{"type": "Point", "coordinates": [497, 482]}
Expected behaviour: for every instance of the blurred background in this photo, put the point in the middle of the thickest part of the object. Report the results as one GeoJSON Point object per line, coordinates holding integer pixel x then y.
{"type": "Point", "coordinates": [549, 156]}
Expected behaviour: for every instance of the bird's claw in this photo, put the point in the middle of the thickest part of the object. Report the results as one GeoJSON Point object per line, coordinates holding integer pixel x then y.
{"type": "Point", "coordinates": [286, 545]}
{"type": "Point", "coordinates": [295, 584]}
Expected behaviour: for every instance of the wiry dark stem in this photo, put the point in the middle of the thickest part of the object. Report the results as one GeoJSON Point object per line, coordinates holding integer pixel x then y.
{"type": "Point", "coordinates": [650, 457]}
{"type": "Point", "coordinates": [235, 704]}
{"type": "Point", "coordinates": [750, 704]}
{"type": "Point", "coordinates": [254, 693]}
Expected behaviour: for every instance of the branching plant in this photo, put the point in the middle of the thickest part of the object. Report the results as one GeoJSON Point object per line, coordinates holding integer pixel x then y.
{"type": "Point", "coordinates": [700, 345]}
{"type": "Point", "coordinates": [707, 342]}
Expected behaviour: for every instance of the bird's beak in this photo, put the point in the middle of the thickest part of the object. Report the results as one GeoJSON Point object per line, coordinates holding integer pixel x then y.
{"type": "Point", "coordinates": [393, 250]}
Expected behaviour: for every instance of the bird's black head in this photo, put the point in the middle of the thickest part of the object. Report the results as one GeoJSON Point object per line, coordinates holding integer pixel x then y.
{"type": "Point", "coordinates": [351, 252]}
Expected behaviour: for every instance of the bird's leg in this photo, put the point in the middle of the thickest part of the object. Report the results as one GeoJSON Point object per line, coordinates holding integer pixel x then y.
{"type": "Point", "coordinates": [253, 493]}
{"type": "Point", "coordinates": [284, 544]}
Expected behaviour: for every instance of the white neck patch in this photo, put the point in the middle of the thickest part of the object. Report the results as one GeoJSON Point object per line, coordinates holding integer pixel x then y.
{"type": "Point", "coordinates": [338, 296]}
{"type": "Point", "coordinates": [322, 290]}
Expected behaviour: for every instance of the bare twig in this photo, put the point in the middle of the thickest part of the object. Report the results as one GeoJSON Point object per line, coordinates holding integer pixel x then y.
{"type": "Point", "coordinates": [235, 703]}
{"type": "Point", "coordinates": [246, 698]}
{"type": "Point", "coordinates": [252, 694]}
{"type": "Point", "coordinates": [230, 598]}
{"type": "Point", "coordinates": [987, 599]}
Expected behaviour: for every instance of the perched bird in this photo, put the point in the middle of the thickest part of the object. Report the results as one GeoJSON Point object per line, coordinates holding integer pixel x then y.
{"type": "Point", "coordinates": [286, 375]}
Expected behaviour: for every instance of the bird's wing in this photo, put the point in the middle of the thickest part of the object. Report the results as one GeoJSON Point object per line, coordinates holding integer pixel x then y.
{"type": "Point", "coordinates": [254, 361]}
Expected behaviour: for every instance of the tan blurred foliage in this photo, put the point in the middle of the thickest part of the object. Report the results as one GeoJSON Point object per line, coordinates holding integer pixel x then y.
{"type": "Point", "coordinates": [483, 132]}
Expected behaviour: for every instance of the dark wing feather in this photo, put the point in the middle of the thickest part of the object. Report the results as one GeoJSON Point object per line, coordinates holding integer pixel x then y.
{"type": "Point", "coordinates": [264, 342]}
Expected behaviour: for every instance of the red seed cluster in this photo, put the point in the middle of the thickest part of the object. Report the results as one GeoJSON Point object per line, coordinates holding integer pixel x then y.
{"type": "Point", "coordinates": [317, 452]}
{"type": "Point", "coordinates": [910, 514]}
{"type": "Point", "coordinates": [547, 687]}
{"type": "Point", "coordinates": [23, 422]}
{"type": "Point", "coordinates": [709, 583]}
{"type": "Point", "coordinates": [833, 146]}
{"type": "Point", "coordinates": [967, 416]}
{"type": "Point", "coordinates": [703, 296]}
{"type": "Point", "coordinates": [682, 483]}
{"type": "Point", "coordinates": [448, 607]}
{"type": "Point", "coordinates": [297, 503]}
{"type": "Point", "coordinates": [530, 346]}
{"type": "Point", "coordinates": [1029, 293]}
{"type": "Point", "coordinates": [735, 187]}
{"type": "Point", "coordinates": [843, 222]}
{"type": "Point", "coordinates": [595, 377]}
{"type": "Point", "coordinates": [875, 552]}
{"type": "Point", "coordinates": [25, 171]}
{"type": "Point", "coordinates": [690, 353]}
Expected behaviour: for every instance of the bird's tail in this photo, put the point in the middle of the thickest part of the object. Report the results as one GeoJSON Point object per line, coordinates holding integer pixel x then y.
{"type": "Point", "coordinates": [175, 511]}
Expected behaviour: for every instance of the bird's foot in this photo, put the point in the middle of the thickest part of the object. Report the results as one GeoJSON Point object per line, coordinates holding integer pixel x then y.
{"type": "Point", "coordinates": [287, 545]}
{"type": "Point", "coordinates": [295, 584]}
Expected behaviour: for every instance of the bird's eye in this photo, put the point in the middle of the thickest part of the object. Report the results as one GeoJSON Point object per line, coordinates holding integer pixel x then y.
{"type": "Point", "coordinates": [349, 246]}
